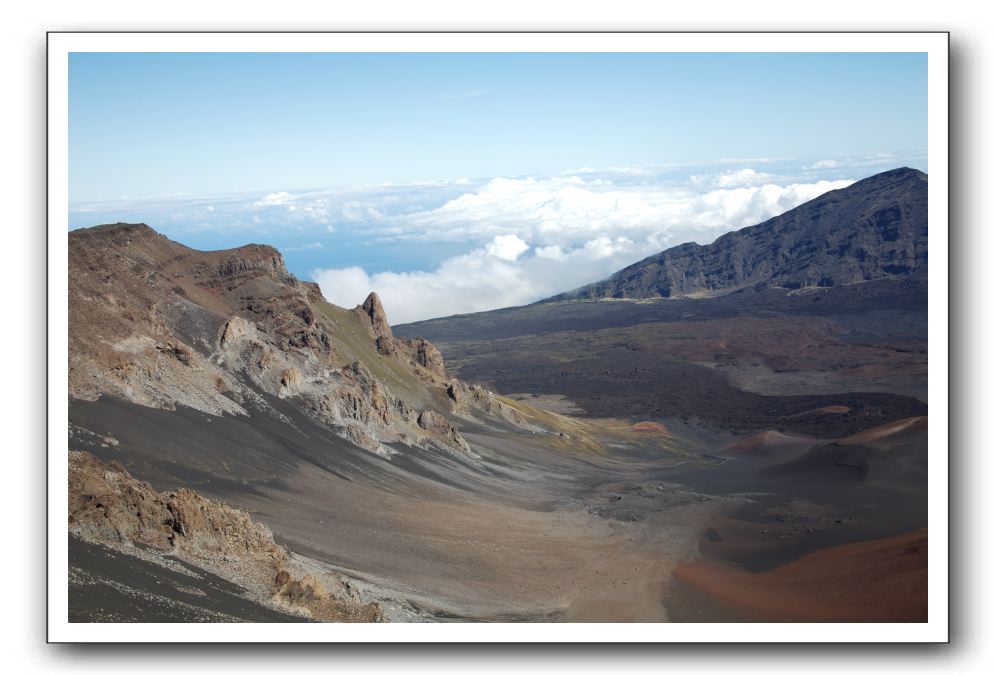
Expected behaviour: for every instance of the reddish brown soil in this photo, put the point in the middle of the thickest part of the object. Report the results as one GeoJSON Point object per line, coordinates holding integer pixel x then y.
{"type": "Point", "coordinates": [826, 410]}
{"type": "Point", "coordinates": [651, 427]}
{"type": "Point", "coordinates": [885, 432]}
{"type": "Point", "coordinates": [762, 439]}
{"type": "Point", "coordinates": [878, 580]}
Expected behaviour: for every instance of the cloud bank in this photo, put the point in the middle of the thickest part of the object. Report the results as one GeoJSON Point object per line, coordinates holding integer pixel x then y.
{"type": "Point", "coordinates": [544, 236]}
{"type": "Point", "coordinates": [496, 275]}
{"type": "Point", "coordinates": [441, 247]}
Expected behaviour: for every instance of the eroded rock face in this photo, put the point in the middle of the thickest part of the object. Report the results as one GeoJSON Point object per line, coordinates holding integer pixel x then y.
{"type": "Point", "coordinates": [369, 414]}
{"type": "Point", "coordinates": [420, 353]}
{"type": "Point", "coordinates": [107, 504]}
{"type": "Point", "coordinates": [425, 354]}
{"type": "Point", "coordinates": [432, 421]}
{"type": "Point", "coordinates": [162, 325]}
{"type": "Point", "coordinates": [254, 258]}
{"type": "Point", "coordinates": [469, 398]}
{"type": "Point", "coordinates": [314, 291]}
{"type": "Point", "coordinates": [436, 424]}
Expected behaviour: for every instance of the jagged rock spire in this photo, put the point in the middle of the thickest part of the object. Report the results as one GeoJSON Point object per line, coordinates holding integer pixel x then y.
{"type": "Point", "coordinates": [378, 318]}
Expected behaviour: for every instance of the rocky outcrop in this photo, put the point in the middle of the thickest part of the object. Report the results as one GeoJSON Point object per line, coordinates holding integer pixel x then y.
{"type": "Point", "coordinates": [162, 325]}
{"type": "Point", "coordinates": [387, 346]}
{"type": "Point", "coordinates": [419, 353]}
{"type": "Point", "coordinates": [466, 399]}
{"type": "Point", "coordinates": [438, 426]}
{"type": "Point", "coordinates": [235, 328]}
{"type": "Point", "coordinates": [291, 381]}
{"type": "Point", "coordinates": [251, 259]}
{"type": "Point", "coordinates": [374, 311]}
{"type": "Point", "coordinates": [425, 354]}
{"type": "Point", "coordinates": [314, 291]}
{"type": "Point", "coordinates": [873, 229]}
{"type": "Point", "coordinates": [149, 317]}
{"type": "Point", "coordinates": [432, 421]}
{"type": "Point", "coordinates": [107, 505]}
{"type": "Point", "coordinates": [311, 593]}
{"type": "Point", "coordinates": [369, 414]}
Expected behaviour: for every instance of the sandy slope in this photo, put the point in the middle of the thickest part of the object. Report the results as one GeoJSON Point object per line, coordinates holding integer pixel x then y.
{"type": "Point", "coordinates": [878, 580]}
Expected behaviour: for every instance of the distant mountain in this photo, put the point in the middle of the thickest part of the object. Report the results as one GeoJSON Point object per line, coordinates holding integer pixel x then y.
{"type": "Point", "coordinates": [873, 229]}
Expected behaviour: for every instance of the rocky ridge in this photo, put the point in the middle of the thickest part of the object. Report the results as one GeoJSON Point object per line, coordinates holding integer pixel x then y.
{"type": "Point", "coordinates": [873, 229]}
{"type": "Point", "coordinates": [163, 325]}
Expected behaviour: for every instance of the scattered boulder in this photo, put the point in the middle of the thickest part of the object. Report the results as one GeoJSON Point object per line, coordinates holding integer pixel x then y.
{"type": "Point", "coordinates": [437, 425]}
{"type": "Point", "coordinates": [176, 350]}
{"type": "Point", "coordinates": [433, 422]}
{"type": "Point", "coordinates": [291, 380]}
{"type": "Point", "coordinates": [387, 346]}
{"type": "Point", "coordinates": [236, 328]}
{"type": "Point", "coordinates": [311, 595]}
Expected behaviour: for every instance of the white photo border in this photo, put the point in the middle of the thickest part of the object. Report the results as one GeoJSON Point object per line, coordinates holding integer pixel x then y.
{"type": "Point", "coordinates": [934, 44]}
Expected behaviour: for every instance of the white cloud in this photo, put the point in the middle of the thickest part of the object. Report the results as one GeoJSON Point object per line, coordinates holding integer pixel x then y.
{"type": "Point", "coordinates": [730, 179]}
{"type": "Point", "coordinates": [552, 252]}
{"type": "Point", "coordinates": [569, 211]}
{"type": "Point", "coordinates": [581, 232]}
{"type": "Point", "coordinates": [480, 280]}
{"type": "Point", "coordinates": [520, 238]}
{"type": "Point", "coordinates": [742, 177]}
{"type": "Point", "coordinates": [507, 247]}
{"type": "Point", "coordinates": [273, 199]}
{"type": "Point", "coordinates": [825, 164]}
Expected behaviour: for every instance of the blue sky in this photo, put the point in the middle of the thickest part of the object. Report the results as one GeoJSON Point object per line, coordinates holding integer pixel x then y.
{"type": "Point", "coordinates": [415, 171]}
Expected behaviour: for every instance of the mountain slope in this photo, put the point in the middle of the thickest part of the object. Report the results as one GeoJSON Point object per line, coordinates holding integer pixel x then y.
{"type": "Point", "coordinates": [163, 325]}
{"type": "Point", "coordinates": [218, 372]}
{"type": "Point", "coordinates": [821, 308]}
{"type": "Point", "coordinates": [873, 229]}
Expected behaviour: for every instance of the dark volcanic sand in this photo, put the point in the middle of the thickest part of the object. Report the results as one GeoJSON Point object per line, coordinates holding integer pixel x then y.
{"type": "Point", "coordinates": [834, 537]}
{"type": "Point", "coordinates": [107, 585]}
{"type": "Point", "coordinates": [754, 360]}
{"type": "Point", "coordinates": [524, 533]}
